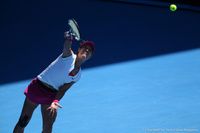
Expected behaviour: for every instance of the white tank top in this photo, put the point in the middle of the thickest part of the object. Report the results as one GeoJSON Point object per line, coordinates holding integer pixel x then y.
{"type": "Point", "coordinates": [57, 73]}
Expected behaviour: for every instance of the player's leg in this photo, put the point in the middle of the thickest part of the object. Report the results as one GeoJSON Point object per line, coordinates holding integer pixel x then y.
{"type": "Point", "coordinates": [47, 119]}
{"type": "Point", "coordinates": [25, 117]}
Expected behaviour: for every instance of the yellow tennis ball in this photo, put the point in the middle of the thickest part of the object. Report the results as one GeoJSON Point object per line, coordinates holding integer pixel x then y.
{"type": "Point", "coordinates": [173, 7]}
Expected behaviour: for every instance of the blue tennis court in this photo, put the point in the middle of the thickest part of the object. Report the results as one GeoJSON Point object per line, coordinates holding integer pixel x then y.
{"type": "Point", "coordinates": [157, 93]}
{"type": "Point", "coordinates": [143, 78]}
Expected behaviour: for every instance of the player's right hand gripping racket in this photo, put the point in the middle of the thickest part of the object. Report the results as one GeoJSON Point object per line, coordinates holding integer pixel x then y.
{"type": "Point", "coordinates": [74, 29]}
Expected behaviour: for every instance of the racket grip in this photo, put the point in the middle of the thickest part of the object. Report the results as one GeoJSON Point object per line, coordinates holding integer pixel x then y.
{"type": "Point", "coordinates": [68, 34]}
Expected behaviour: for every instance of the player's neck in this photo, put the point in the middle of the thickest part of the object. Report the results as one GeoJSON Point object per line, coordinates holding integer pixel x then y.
{"type": "Point", "coordinates": [78, 63]}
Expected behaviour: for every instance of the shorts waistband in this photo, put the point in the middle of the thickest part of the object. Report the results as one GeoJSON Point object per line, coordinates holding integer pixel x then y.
{"type": "Point", "coordinates": [45, 87]}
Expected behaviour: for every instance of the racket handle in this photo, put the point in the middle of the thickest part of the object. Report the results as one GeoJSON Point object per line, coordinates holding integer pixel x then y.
{"type": "Point", "coordinates": [68, 34]}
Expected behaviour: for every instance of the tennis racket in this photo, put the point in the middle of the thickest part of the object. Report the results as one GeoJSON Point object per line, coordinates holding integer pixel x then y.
{"type": "Point", "coordinates": [74, 29]}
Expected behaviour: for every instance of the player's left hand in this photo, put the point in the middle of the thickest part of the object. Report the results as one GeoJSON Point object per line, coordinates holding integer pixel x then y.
{"type": "Point", "coordinates": [53, 109]}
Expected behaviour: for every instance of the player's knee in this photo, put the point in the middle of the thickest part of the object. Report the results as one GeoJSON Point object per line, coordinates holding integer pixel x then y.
{"type": "Point", "coordinates": [23, 121]}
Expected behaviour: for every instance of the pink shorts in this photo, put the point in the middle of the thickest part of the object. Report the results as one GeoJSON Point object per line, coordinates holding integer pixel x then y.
{"type": "Point", "coordinates": [39, 94]}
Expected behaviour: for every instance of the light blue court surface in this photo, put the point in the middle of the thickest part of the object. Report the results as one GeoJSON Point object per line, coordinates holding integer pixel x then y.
{"type": "Point", "coordinates": [160, 94]}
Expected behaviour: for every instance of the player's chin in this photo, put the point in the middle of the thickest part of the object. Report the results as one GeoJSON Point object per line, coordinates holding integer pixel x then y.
{"type": "Point", "coordinates": [86, 58]}
{"type": "Point", "coordinates": [83, 58]}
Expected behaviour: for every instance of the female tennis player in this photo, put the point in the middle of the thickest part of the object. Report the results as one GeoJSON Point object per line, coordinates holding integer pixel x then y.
{"type": "Point", "coordinates": [49, 87]}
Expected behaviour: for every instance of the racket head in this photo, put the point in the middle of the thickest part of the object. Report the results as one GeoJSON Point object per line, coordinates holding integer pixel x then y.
{"type": "Point", "coordinates": [75, 28]}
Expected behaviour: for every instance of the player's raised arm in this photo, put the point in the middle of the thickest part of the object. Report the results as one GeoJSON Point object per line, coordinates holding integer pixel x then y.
{"type": "Point", "coordinates": [67, 51]}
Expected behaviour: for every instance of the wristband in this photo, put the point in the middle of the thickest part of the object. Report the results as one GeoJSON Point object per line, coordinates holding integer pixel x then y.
{"type": "Point", "coordinates": [56, 101]}
{"type": "Point", "coordinates": [70, 39]}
